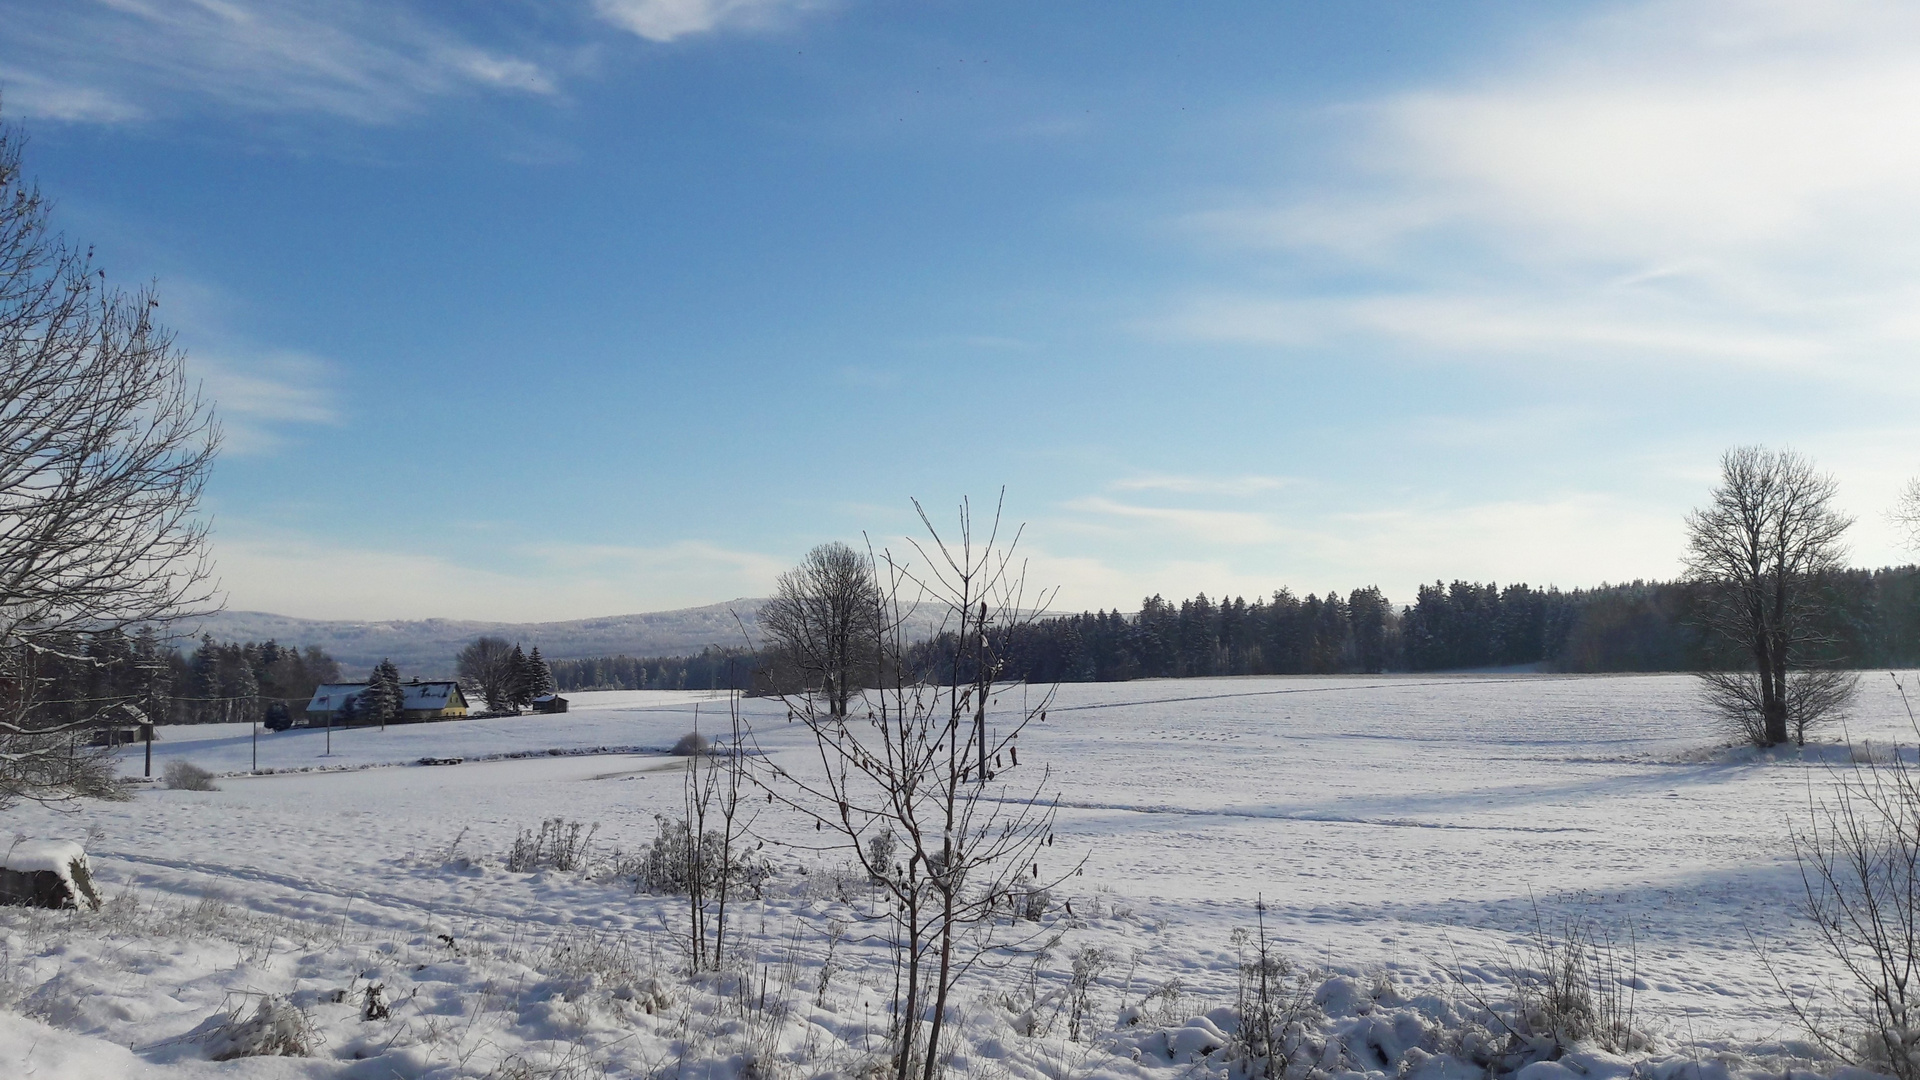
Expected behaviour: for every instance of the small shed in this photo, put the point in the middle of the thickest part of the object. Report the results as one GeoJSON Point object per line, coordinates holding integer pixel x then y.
{"type": "Point", "coordinates": [120, 735]}
{"type": "Point", "coordinates": [48, 874]}
{"type": "Point", "coordinates": [549, 703]}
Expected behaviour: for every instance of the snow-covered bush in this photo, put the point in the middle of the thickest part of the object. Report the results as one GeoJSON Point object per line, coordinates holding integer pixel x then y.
{"type": "Point", "coordinates": [559, 844]}
{"type": "Point", "coordinates": [1569, 986]}
{"type": "Point", "coordinates": [1276, 1007]}
{"type": "Point", "coordinates": [1088, 964]}
{"type": "Point", "coordinates": [880, 853]}
{"type": "Point", "coordinates": [1579, 988]}
{"type": "Point", "coordinates": [673, 866]}
{"type": "Point", "coordinates": [276, 1029]}
{"type": "Point", "coordinates": [186, 776]}
{"type": "Point", "coordinates": [1029, 902]}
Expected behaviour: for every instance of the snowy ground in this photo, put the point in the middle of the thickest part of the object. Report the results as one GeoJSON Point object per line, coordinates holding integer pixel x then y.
{"type": "Point", "coordinates": [1395, 826]}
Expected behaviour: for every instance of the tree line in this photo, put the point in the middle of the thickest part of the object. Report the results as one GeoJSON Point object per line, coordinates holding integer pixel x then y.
{"type": "Point", "coordinates": [713, 669]}
{"type": "Point", "coordinates": [1636, 626]}
{"type": "Point", "coordinates": [75, 676]}
{"type": "Point", "coordinates": [1873, 618]}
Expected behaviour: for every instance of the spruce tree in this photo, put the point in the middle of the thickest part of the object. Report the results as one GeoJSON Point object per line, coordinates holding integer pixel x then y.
{"type": "Point", "coordinates": [380, 702]}
{"type": "Point", "coordinates": [518, 680]}
{"type": "Point", "coordinates": [539, 675]}
{"type": "Point", "coordinates": [396, 694]}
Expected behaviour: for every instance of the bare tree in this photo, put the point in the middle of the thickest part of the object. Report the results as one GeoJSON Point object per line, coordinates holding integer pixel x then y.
{"type": "Point", "coordinates": [104, 448]}
{"type": "Point", "coordinates": [488, 666]}
{"type": "Point", "coordinates": [1759, 553]}
{"type": "Point", "coordinates": [1906, 513]}
{"type": "Point", "coordinates": [1859, 856]}
{"type": "Point", "coordinates": [713, 842]}
{"type": "Point", "coordinates": [917, 788]}
{"type": "Point", "coordinates": [823, 619]}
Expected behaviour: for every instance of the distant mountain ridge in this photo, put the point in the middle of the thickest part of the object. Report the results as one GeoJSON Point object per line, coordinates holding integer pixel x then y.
{"type": "Point", "coordinates": [427, 647]}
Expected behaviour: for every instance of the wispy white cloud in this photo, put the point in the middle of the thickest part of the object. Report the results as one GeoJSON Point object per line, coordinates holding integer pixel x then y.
{"type": "Point", "coordinates": [1208, 526]}
{"type": "Point", "coordinates": [259, 398]}
{"type": "Point", "coordinates": [1312, 544]}
{"type": "Point", "coordinates": [1725, 182]}
{"type": "Point", "coordinates": [670, 20]}
{"type": "Point", "coordinates": [117, 60]}
{"type": "Point", "coordinates": [1201, 485]}
{"type": "Point", "coordinates": [31, 94]}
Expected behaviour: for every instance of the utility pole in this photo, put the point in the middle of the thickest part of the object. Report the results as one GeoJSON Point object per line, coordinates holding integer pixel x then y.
{"type": "Point", "coordinates": [256, 747]}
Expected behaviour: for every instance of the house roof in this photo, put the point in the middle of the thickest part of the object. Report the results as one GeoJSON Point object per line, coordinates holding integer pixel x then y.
{"type": "Point", "coordinates": [332, 697]}
{"type": "Point", "coordinates": [428, 695]}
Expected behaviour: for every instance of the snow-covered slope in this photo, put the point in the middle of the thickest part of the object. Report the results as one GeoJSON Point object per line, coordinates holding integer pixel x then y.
{"type": "Point", "coordinates": [428, 646]}
{"type": "Point", "coordinates": [1396, 828]}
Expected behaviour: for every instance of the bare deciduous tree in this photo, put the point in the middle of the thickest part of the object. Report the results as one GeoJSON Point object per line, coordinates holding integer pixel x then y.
{"type": "Point", "coordinates": [716, 862]}
{"type": "Point", "coordinates": [104, 448]}
{"type": "Point", "coordinates": [916, 788]}
{"type": "Point", "coordinates": [1906, 513]}
{"type": "Point", "coordinates": [487, 666]}
{"type": "Point", "coordinates": [1759, 552]}
{"type": "Point", "coordinates": [1859, 856]}
{"type": "Point", "coordinates": [823, 619]}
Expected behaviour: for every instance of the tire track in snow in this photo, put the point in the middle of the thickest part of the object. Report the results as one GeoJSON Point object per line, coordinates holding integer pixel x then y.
{"type": "Point", "coordinates": [1301, 690]}
{"type": "Point", "coordinates": [433, 908]}
{"type": "Point", "coordinates": [1335, 819]}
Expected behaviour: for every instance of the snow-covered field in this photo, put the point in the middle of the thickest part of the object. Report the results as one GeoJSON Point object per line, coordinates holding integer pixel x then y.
{"type": "Point", "coordinates": [1396, 827]}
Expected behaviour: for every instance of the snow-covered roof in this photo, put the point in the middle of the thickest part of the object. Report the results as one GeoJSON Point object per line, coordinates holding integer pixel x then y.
{"type": "Point", "coordinates": [547, 697]}
{"type": "Point", "coordinates": [427, 695]}
{"type": "Point", "coordinates": [332, 697]}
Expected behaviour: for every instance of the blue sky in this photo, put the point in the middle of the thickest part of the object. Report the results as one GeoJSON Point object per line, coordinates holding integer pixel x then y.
{"type": "Point", "coordinates": [543, 311]}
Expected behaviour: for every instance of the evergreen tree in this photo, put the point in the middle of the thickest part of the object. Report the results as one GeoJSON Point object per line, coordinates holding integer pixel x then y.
{"type": "Point", "coordinates": [519, 680]}
{"type": "Point", "coordinates": [539, 675]}
{"type": "Point", "coordinates": [380, 702]}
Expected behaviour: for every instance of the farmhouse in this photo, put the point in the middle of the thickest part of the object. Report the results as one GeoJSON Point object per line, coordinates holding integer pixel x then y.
{"type": "Point", "coordinates": [338, 703]}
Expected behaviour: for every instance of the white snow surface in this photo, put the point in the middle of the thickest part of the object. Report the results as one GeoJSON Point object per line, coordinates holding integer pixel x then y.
{"type": "Point", "coordinates": [37, 856]}
{"type": "Point", "coordinates": [1395, 827]}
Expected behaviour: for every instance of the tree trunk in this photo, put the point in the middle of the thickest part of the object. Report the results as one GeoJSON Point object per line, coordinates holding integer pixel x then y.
{"type": "Point", "coordinates": [946, 976]}
{"type": "Point", "coordinates": [1775, 678]}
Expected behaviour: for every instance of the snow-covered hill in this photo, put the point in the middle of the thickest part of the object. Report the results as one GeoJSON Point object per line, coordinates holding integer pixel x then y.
{"type": "Point", "coordinates": [427, 646]}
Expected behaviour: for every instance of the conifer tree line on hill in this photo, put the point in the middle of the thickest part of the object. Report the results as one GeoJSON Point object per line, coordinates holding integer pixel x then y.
{"type": "Point", "coordinates": [714, 668]}
{"type": "Point", "coordinates": [1873, 617]}
{"type": "Point", "coordinates": [215, 683]}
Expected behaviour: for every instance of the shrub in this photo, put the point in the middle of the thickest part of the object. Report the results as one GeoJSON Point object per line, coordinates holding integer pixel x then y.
{"type": "Point", "coordinates": [186, 776]}
{"type": "Point", "coordinates": [672, 865]}
{"type": "Point", "coordinates": [559, 845]}
{"type": "Point", "coordinates": [1029, 902]}
{"type": "Point", "coordinates": [690, 744]}
{"type": "Point", "coordinates": [276, 1029]}
{"type": "Point", "coordinates": [880, 854]}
